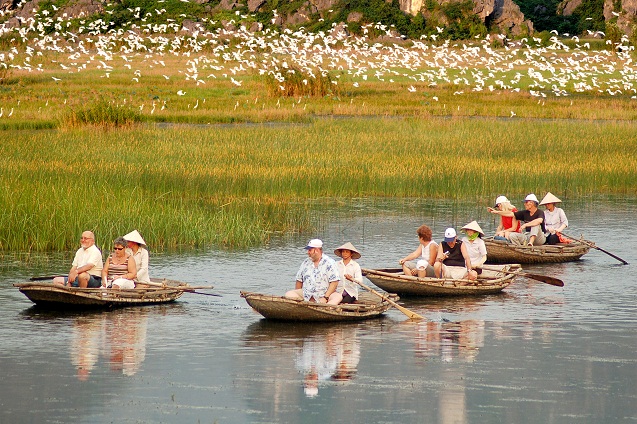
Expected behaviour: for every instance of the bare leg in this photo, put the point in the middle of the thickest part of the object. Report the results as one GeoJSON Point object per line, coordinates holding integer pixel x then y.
{"type": "Point", "coordinates": [438, 269]}
{"type": "Point", "coordinates": [82, 280]}
{"type": "Point", "coordinates": [294, 294]}
{"type": "Point", "coordinates": [335, 298]}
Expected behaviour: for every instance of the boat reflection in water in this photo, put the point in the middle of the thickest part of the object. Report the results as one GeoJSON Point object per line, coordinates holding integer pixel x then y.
{"type": "Point", "coordinates": [322, 353]}
{"type": "Point", "coordinates": [119, 336]}
{"type": "Point", "coordinates": [450, 341]}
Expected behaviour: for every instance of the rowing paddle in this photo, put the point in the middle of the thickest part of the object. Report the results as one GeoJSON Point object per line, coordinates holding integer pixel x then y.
{"type": "Point", "coordinates": [543, 278]}
{"type": "Point", "coordinates": [591, 244]}
{"type": "Point", "coordinates": [187, 289]}
{"type": "Point", "coordinates": [44, 277]}
{"type": "Point", "coordinates": [410, 314]}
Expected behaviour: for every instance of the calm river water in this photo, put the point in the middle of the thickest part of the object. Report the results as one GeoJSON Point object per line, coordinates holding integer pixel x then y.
{"type": "Point", "coordinates": [534, 354]}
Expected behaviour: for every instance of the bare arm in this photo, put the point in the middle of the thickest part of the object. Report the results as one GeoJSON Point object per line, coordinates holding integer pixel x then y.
{"type": "Point", "coordinates": [465, 255]}
{"type": "Point", "coordinates": [501, 213]}
{"type": "Point", "coordinates": [413, 255]}
{"type": "Point", "coordinates": [534, 223]}
{"type": "Point", "coordinates": [432, 255]}
{"type": "Point", "coordinates": [132, 269]}
{"type": "Point", "coordinates": [105, 270]}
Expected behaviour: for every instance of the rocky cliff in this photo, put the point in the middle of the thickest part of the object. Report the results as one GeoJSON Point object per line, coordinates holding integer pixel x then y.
{"type": "Point", "coordinates": [503, 14]}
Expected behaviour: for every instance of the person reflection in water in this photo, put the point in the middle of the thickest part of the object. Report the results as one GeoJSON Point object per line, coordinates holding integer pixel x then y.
{"type": "Point", "coordinates": [86, 338]}
{"type": "Point", "coordinates": [126, 338]}
{"type": "Point", "coordinates": [333, 355]}
{"type": "Point", "coordinates": [117, 335]}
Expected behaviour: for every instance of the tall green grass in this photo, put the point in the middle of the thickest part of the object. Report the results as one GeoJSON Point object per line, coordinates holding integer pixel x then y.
{"type": "Point", "coordinates": [238, 185]}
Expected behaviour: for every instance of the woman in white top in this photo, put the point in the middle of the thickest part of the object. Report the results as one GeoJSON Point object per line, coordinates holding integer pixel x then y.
{"type": "Point", "coordinates": [554, 218]}
{"type": "Point", "coordinates": [426, 251]}
{"type": "Point", "coordinates": [476, 248]}
{"type": "Point", "coordinates": [349, 271]}
{"type": "Point", "coordinates": [136, 248]}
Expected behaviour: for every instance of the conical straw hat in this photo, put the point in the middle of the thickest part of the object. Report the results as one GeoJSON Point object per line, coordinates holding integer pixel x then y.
{"type": "Point", "coordinates": [549, 198]}
{"type": "Point", "coordinates": [347, 246]}
{"type": "Point", "coordinates": [473, 225]}
{"type": "Point", "coordinates": [135, 237]}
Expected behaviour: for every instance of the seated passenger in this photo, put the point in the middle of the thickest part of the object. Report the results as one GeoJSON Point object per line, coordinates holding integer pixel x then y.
{"type": "Point", "coordinates": [137, 249]}
{"type": "Point", "coordinates": [476, 248]}
{"type": "Point", "coordinates": [86, 270]}
{"type": "Point", "coordinates": [533, 224]}
{"type": "Point", "coordinates": [317, 277]}
{"type": "Point", "coordinates": [119, 270]}
{"type": "Point", "coordinates": [349, 271]}
{"type": "Point", "coordinates": [452, 260]}
{"type": "Point", "coordinates": [554, 218]}
{"type": "Point", "coordinates": [508, 224]}
{"type": "Point", "coordinates": [426, 251]}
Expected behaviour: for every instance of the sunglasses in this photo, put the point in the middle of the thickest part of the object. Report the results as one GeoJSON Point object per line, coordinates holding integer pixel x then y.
{"type": "Point", "coordinates": [118, 248]}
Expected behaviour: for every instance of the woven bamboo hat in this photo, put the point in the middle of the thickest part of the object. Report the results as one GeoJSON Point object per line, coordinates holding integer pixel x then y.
{"type": "Point", "coordinates": [473, 225]}
{"type": "Point", "coordinates": [347, 246]}
{"type": "Point", "coordinates": [135, 237]}
{"type": "Point", "coordinates": [550, 198]}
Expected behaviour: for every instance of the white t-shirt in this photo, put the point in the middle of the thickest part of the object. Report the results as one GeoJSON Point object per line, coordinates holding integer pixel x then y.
{"type": "Point", "coordinates": [476, 249]}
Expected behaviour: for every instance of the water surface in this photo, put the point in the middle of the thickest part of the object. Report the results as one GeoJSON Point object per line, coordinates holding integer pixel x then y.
{"type": "Point", "coordinates": [535, 353]}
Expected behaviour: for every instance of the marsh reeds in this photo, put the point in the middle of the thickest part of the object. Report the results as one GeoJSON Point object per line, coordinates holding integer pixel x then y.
{"type": "Point", "coordinates": [236, 186]}
{"type": "Point", "coordinates": [101, 113]}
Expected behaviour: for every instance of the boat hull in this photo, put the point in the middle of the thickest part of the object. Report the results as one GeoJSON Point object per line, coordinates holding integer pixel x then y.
{"type": "Point", "coordinates": [284, 309]}
{"type": "Point", "coordinates": [47, 294]}
{"type": "Point", "coordinates": [392, 280]}
{"type": "Point", "coordinates": [503, 252]}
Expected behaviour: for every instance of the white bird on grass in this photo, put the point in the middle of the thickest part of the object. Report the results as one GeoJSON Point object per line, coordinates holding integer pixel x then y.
{"type": "Point", "coordinates": [181, 93]}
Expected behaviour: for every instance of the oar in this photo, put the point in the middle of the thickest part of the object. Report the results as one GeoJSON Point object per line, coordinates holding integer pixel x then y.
{"type": "Point", "coordinates": [543, 278]}
{"type": "Point", "coordinates": [410, 314]}
{"type": "Point", "coordinates": [590, 244]}
{"type": "Point", "coordinates": [44, 277]}
{"type": "Point", "coordinates": [189, 289]}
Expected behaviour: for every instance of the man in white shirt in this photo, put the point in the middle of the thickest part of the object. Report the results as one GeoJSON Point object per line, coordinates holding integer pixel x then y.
{"type": "Point", "coordinates": [86, 270]}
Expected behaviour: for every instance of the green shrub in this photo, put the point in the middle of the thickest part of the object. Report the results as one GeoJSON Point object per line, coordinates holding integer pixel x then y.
{"type": "Point", "coordinates": [102, 113]}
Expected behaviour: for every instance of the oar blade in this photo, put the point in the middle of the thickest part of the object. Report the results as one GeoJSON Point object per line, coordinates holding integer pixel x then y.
{"type": "Point", "coordinates": [408, 313]}
{"type": "Point", "coordinates": [545, 279]}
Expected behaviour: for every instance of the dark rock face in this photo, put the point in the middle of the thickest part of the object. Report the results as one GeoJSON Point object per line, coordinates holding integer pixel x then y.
{"type": "Point", "coordinates": [626, 15]}
{"type": "Point", "coordinates": [504, 14]}
{"type": "Point", "coordinates": [567, 7]}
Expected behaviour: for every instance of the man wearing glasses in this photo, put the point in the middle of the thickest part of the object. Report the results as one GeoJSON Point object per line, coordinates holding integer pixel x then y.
{"type": "Point", "coordinates": [86, 270]}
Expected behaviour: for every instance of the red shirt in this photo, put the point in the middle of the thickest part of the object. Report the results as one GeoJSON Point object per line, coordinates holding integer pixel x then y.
{"type": "Point", "coordinates": [507, 222]}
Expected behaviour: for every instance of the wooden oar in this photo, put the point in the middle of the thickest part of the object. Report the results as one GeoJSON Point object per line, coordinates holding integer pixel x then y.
{"type": "Point", "coordinates": [45, 277]}
{"type": "Point", "coordinates": [189, 289]}
{"type": "Point", "coordinates": [543, 278]}
{"type": "Point", "coordinates": [591, 244]}
{"type": "Point", "coordinates": [410, 314]}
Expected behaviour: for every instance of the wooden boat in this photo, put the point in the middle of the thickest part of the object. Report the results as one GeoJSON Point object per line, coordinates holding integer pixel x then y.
{"type": "Point", "coordinates": [395, 281]}
{"type": "Point", "coordinates": [52, 295]}
{"type": "Point", "coordinates": [284, 309]}
{"type": "Point", "coordinates": [503, 252]}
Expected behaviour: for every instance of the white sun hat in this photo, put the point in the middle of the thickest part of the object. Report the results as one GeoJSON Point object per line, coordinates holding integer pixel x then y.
{"type": "Point", "coordinates": [450, 235]}
{"type": "Point", "coordinates": [473, 225]}
{"type": "Point", "coordinates": [501, 199]}
{"type": "Point", "coordinates": [550, 198]}
{"type": "Point", "coordinates": [422, 264]}
{"type": "Point", "coordinates": [135, 237]}
{"type": "Point", "coordinates": [532, 198]}
{"type": "Point", "coordinates": [314, 243]}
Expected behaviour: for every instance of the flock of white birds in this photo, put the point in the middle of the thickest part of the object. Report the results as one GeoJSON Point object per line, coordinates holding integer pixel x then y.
{"type": "Point", "coordinates": [233, 53]}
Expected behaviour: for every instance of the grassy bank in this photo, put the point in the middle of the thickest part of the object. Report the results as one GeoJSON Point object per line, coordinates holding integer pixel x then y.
{"type": "Point", "coordinates": [239, 185]}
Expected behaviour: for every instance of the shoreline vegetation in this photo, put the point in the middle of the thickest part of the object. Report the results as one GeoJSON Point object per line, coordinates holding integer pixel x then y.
{"type": "Point", "coordinates": [116, 130]}
{"type": "Point", "coordinates": [238, 186]}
